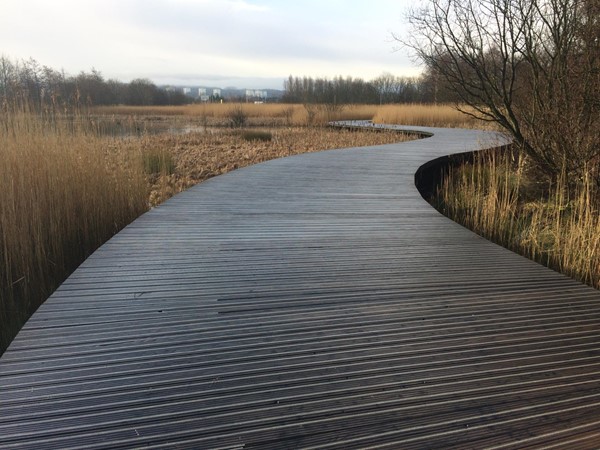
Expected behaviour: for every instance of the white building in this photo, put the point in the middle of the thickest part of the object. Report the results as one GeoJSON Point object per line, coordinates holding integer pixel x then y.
{"type": "Point", "coordinates": [255, 93]}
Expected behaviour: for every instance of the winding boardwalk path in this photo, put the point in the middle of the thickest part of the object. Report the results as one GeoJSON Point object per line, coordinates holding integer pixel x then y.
{"type": "Point", "coordinates": [311, 301]}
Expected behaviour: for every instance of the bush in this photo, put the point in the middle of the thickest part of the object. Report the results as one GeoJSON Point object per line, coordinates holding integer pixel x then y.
{"type": "Point", "coordinates": [237, 117]}
{"type": "Point", "coordinates": [257, 135]}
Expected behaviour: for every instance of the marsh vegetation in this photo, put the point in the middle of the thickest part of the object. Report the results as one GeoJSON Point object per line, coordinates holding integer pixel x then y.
{"type": "Point", "coordinates": [499, 195]}
{"type": "Point", "coordinates": [71, 181]}
{"type": "Point", "coordinates": [532, 69]}
{"type": "Point", "coordinates": [68, 182]}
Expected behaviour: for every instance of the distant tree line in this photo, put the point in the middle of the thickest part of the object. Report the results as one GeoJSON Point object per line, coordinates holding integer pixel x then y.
{"type": "Point", "coordinates": [387, 88]}
{"type": "Point", "coordinates": [28, 82]}
{"type": "Point", "coordinates": [38, 86]}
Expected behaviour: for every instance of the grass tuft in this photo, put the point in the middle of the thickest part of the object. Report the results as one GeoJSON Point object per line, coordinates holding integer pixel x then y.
{"type": "Point", "coordinates": [158, 161]}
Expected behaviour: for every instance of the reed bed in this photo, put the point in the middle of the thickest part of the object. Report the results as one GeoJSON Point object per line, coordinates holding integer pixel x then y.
{"type": "Point", "coordinates": [267, 114]}
{"type": "Point", "coordinates": [63, 192]}
{"type": "Point", "coordinates": [280, 114]}
{"type": "Point", "coordinates": [425, 115]}
{"type": "Point", "coordinates": [67, 184]}
{"type": "Point", "coordinates": [558, 225]}
{"type": "Point", "coordinates": [203, 109]}
{"type": "Point", "coordinates": [213, 114]}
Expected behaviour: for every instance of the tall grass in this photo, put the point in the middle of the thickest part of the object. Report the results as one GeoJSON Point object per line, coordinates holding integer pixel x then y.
{"type": "Point", "coordinates": [63, 191]}
{"type": "Point", "coordinates": [425, 115]}
{"type": "Point", "coordinates": [497, 197]}
{"type": "Point", "coordinates": [212, 114]}
{"type": "Point", "coordinates": [302, 115]}
{"type": "Point", "coordinates": [210, 110]}
{"type": "Point", "coordinates": [66, 187]}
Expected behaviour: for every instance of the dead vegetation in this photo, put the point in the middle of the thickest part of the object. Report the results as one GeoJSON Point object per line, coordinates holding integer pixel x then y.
{"type": "Point", "coordinates": [199, 156]}
{"type": "Point", "coordinates": [67, 184]}
{"type": "Point", "coordinates": [499, 197]}
{"type": "Point", "coordinates": [278, 114]}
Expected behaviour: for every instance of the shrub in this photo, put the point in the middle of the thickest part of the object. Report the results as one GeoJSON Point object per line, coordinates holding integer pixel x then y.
{"type": "Point", "coordinates": [237, 117]}
{"type": "Point", "coordinates": [257, 135]}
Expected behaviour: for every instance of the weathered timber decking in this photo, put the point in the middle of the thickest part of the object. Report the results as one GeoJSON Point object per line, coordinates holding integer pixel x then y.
{"type": "Point", "coordinates": [311, 301]}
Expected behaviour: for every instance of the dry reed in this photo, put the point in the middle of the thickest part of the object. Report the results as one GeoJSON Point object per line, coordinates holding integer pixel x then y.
{"type": "Point", "coordinates": [214, 114]}
{"type": "Point", "coordinates": [63, 192]}
{"type": "Point", "coordinates": [425, 115]}
{"type": "Point", "coordinates": [65, 189]}
{"type": "Point", "coordinates": [272, 114]}
{"type": "Point", "coordinates": [199, 156]}
{"type": "Point", "coordinates": [560, 228]}
{"type": "Point", "coordinates": [267, 114]}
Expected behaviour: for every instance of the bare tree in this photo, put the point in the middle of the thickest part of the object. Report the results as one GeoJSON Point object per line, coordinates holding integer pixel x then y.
{"type": "Point", "coordinates": [41, 88]}
{"type": "Point", "coordinates": [8, 77]}
{"type": "Point", "coordinates": [387, 87]}
{"type": "Point", "coordinates": [532, 66]}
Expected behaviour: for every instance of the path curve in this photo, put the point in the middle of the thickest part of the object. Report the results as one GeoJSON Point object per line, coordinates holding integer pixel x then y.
{"type": "Point", "coordinates": [314, 301]}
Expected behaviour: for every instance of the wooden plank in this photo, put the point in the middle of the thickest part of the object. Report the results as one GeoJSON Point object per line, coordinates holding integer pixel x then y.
{"type": "Point", "coordinates": [309, 302]}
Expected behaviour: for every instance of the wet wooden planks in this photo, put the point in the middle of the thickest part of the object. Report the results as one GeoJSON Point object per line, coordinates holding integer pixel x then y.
{"type": "Point", "coordinates": [308, 302]}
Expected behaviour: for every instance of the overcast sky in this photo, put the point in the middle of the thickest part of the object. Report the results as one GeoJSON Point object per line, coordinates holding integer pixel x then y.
{"type": "Point", "coordinates": [243, 43]}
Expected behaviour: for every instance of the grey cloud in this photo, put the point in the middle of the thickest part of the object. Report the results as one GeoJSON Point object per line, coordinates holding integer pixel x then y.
{"type": "Point", "coordinates": [253, 34]}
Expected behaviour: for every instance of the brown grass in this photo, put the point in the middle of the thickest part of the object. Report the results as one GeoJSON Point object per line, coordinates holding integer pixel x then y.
{"type": "Point", "coordinates": [267, 114]}
{"type": "Point", "coordinates": [213, 114]}
{"type": "Point", "coordinates": [425, 115]}
{"type": "Point", "coordinates": [278, 114]}
{"type": "Point", "coordinates": [65, 188]}
{"type": "Point", "coordinates": [199, 156]}
{"type": "Point", "coordinates": [497, 197]}
{"type": "Point", "coordinates": [206, 109]}
{"type": "Point", "coordinates": [63, 192]}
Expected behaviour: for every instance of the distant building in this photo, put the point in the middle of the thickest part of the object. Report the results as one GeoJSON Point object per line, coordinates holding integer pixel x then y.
{"type": "Point", "coordinates": [216, 92]}
{"type": "Point", "coordinates": [201, 92]}
{"type": "Point", "coordinates": [255, 94]}
{"type": "Point", "coordinates": [187, 90]}
{"type": "Point", "coordinates": [204, 98]}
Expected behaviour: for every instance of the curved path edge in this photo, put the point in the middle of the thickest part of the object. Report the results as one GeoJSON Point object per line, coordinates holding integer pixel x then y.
{"type": "Point", "coordinates": [315, 301]}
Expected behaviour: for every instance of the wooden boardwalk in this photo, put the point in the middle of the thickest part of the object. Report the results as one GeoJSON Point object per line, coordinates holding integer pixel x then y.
{"type": "Point", "coordinates": [308, 302]}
